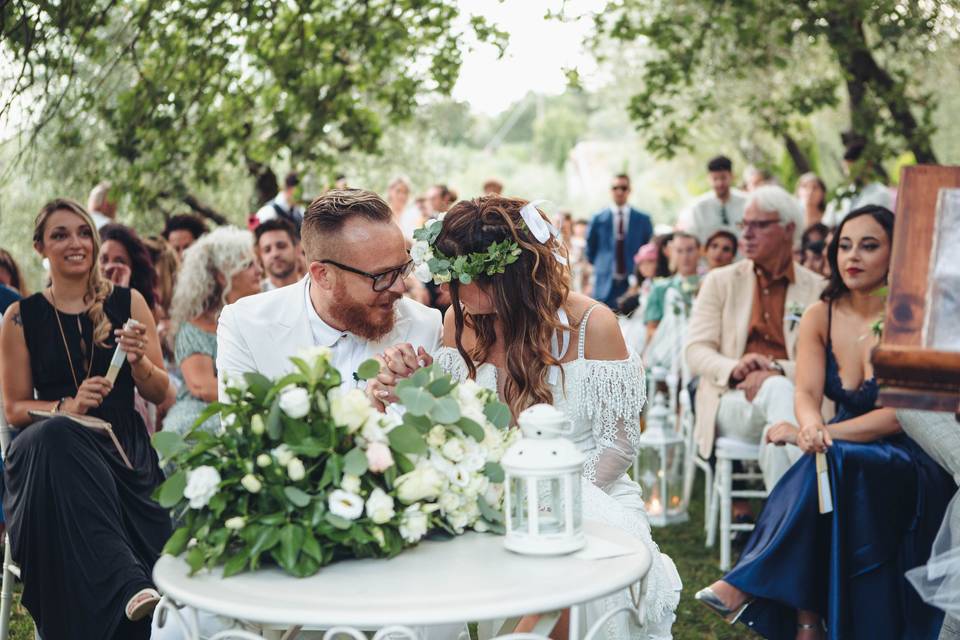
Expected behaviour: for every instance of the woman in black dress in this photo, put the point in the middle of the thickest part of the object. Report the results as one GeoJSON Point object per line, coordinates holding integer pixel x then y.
{"type": "Point", "coordinates": [82, 524]}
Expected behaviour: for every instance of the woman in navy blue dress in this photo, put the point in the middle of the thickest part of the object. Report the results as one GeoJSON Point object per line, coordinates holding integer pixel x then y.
{"type": "Point", "coordinates": [840, 575]}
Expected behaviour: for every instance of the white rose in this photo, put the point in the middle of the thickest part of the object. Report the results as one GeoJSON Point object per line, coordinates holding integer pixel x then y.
{"type": "Point", "coordinates": [390, 421]}
{"type": "Point", "coordinates": [474, 460]}
{"type": "Point", "coordinates": [283, 454]}
{"type": "Point", "coordinates": [494, 494]}
{"type": "Point", "coordinates": [493, 443]}
{"type": "Point", "coordinates": [372, 431]}
{"type": "Point", "coordinates": [442, 278]}
{"type": "Point", "coordinates": [449, 501]}
{"type": "Point", "coordinates": [251, 483]}
{"type": "Point", "coordinates": [235, 524]}
{"type": "Point", "coordinates": [350, 483]}
{"type": "Point", "coordinates": [317, 352]}
{"type": "Point", "coordinates": [379, 458]}
{"type": "Point", "coordinates": [345, 504]}
{"type": "Point", "coordinates": [264, 460]}
{"type": "Point", "coordinates": [295, 402]}
{"type": "Point", "coordinates": [458, 520]}
{"type": "Point", "coordinates": [380, 506]}
{"type": "Point", "coordinates": [296, 470]}
{"type": "Point", "coordinates": [478, 485]}
{"type": "Point", "coordinates": [377, 534]}
{"type": "Point", "coordinates": [461, 477]}
{"type": "Point", "coordinates": [467, 392]}
{"type": "Point", "coordinates": [237, 382]}
{"type": "Point", "coordinates": [350, 409]}
{"type": "Point", "coordinates": [453, 449]}
{"type": "Point", "coordinates": [437, 436]}
{"type": "Point", "coordinates": [413, 524]}
{"type": "Point", "coordinates": [420, 251]}
{"type": "Point", "coordinates": [202, 484]}
{"type": "Point", "coordinates": [422, 273]}
{"type": "Point", "coordinates": [481, 526]}
{"type": "Point", "coordinates": [423, 483]}
{"type": "Point", "coordinates": [257, 425]}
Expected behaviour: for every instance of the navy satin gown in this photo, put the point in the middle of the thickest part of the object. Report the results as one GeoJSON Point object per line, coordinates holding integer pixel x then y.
{"type": "Point", "coordinates": [889, 499]}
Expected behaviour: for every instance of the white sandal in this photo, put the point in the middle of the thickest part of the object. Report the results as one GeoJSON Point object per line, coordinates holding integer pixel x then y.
{"type": "Point", "coordinates": [141, 604]}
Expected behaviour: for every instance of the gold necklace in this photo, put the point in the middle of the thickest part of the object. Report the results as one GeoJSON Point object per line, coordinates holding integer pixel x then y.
{"type": "Point", "coordinates": [66, 346]}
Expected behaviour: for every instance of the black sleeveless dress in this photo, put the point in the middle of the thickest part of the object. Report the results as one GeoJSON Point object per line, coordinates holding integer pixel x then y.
{"type": "Point", "coordinates": [83, 527]}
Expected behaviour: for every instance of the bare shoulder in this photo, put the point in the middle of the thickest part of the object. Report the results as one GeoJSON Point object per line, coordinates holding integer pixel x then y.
{"type": "Point", "coordinates": [449, 328]}
{"type": "Point", "coordinates": [604, 339]}
{"type": "Point", "coordinates": [815, 318]}
{"type": "Point", "coordinates": [12, 317]}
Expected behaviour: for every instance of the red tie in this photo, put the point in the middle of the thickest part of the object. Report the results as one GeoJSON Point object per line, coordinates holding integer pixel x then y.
{"type": "Point", "coordinates": [621, 262]}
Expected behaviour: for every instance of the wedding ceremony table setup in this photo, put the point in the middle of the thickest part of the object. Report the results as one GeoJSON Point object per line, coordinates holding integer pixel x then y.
{"type": "Point", "coordinates": [469, 578]}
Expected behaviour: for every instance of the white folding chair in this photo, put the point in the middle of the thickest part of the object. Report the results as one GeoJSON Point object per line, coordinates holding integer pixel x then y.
{"type": "Point", "coordinates": [729, 450]}
{"type": "Point", "coordinates": [694, 461]}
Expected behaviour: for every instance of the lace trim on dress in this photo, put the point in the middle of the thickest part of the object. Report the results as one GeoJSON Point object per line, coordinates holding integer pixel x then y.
{"type": "Point", "coordinates": [611, 395]}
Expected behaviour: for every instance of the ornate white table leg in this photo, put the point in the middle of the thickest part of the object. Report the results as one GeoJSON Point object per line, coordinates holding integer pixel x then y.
{"type": "Point", "coordinates": [167, 608]}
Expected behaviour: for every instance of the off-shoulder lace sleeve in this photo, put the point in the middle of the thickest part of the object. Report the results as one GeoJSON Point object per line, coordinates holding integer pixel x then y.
{"type": "Point", "coordinates": [451, 362]}
{"type": "Point", "coordinates": [610, 395]}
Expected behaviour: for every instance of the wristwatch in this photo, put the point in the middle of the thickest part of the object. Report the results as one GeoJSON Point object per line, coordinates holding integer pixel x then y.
{"type": "Point", "coordinates": [59, 404]}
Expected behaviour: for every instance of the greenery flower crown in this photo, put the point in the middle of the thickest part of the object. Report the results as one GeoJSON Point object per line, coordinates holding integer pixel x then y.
{"type": "Point", "coordinates": [430, 264]}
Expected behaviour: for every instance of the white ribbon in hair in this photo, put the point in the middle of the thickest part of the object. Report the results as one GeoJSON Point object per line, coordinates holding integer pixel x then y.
{"type": "Point", "coordinates": [542, 230]}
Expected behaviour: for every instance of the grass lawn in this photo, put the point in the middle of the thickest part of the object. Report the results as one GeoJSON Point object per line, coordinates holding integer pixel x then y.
{"type": "Point", "coordinates": [698, 567]}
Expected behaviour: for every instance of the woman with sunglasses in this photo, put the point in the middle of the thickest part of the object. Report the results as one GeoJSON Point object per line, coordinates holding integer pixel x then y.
{"type": "Point", "coordinates": [82, 522]}
{"type": "Point", "coordinates": [218, 269]}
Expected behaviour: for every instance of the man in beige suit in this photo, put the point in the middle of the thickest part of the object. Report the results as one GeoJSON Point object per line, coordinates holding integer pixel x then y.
{"type": "Point", "coordinates": [741, 338]}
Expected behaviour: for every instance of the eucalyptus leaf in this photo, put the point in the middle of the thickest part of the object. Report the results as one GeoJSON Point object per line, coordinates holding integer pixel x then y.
{"type": "Point", "coordinates": [417, 401]}
{"type": "Point", "coordinates": [177, 542]}
{"type": "Point", "coordinates": [472, 429]}
{"type": "Point", "coordinates": [368, 369]}
{"type": "Point", "coordinates": [422, 377]}
{"type": "Point", "coordinates": [406, 439]}
{"type": "Point", "coordinates": [171, 491]}
{"type": "Point", "coordinates": [445, 411]}
{"type": "Point", "coordinates": [235, 564]}
{"type": "Point", "coordinates": [494, 471]}
{"type": "Point", "coordinates": [297, 497]}
{"type": "Point", "coordinates": [168, 444]}
{"type": "Point", "coordinates": [355, 462]}
{"type": "Point", "coordinates": [488, 512]}
{"type": "Point", "coordinates": [498, 414]}
{"type": "Point", "coordinates": [441, 386]}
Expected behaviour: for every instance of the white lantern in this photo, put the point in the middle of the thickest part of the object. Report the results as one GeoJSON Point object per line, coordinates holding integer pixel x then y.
{"type": "Point", "coordinates": [543, 503]}
{"type": "Point", "coordinates": [659, 468]}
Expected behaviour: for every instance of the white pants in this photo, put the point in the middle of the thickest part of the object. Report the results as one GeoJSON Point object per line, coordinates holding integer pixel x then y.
{"type": "Point", "coordinates": [748, 421]}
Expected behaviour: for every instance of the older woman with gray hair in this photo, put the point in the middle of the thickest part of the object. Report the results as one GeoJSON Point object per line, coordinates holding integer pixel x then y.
{"type": "Point", "coordinates": [218, 269]}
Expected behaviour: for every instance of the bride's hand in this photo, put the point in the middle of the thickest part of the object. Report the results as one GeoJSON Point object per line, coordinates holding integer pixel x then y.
{"type": "Point", "coordinates": [380, 393]}
{"type": "Point", "coordinates": [402, 361]}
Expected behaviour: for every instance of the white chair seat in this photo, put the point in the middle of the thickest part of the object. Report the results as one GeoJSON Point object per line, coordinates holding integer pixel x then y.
{"type": "Point", "coordinates": [737, 449]}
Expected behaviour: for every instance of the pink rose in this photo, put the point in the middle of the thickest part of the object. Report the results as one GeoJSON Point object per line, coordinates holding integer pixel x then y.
{"type": "Point", "coordinates": [379, 458]}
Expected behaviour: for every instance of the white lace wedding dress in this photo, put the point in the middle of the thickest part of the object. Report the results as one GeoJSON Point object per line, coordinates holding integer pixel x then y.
{"type": "Point", "coordinates": [603, 400]}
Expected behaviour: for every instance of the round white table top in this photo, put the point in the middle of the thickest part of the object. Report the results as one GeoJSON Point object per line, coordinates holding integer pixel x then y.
{"type": "Point", "coordinates": [472, 577]}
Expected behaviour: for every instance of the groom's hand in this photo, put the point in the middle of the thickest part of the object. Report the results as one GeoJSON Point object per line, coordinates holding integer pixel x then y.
{"type": "Point", "coordinates": [402, 361]}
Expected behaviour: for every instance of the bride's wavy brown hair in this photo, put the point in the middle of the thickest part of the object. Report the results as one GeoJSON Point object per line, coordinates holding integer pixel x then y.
{"type": "Point", "coordinates": [98, 287]}
{"type": "Point", "coordinates": [527, 296]}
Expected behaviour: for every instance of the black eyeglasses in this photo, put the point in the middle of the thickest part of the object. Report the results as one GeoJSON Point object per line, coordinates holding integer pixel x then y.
{"type": "Point", "coordinates": [381, 281]}
{"type": "Point", "coordinates": [619, 187]}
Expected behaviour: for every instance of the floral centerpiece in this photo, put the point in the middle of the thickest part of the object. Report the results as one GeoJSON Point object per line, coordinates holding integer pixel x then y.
{"type": "Point", "coordinates": [304, 472]}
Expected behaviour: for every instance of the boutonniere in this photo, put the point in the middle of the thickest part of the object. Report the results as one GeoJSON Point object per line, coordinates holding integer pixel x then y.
{"type": "Point", "coordinates": [794, 313]}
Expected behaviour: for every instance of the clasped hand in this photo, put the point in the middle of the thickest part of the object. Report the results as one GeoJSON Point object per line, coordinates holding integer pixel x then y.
{"type": "Point", "coordinates": [396, 363]}
{"type": "Point", "coordinates": [814, 438]}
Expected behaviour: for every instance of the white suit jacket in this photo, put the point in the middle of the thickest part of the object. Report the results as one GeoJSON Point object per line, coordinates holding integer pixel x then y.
{"type": "Point", "coordinates": [717, 334]}
{"type": "Point", "coordinates": [260, 332]}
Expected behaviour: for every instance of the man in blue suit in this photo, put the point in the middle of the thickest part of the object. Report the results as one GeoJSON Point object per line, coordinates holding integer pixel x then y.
{"type": "Point", "coordinates": [613, 239]}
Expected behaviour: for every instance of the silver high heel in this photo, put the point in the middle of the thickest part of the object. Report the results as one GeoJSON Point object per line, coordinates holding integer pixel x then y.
{"type": "Point", "coordinates": [707, 597]}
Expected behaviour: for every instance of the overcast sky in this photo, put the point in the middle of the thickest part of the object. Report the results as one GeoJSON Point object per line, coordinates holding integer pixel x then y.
{"type": "Point", "coordinates": [535, 59]}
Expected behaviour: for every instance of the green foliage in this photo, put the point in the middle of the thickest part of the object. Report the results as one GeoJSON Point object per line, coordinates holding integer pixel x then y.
{"type": "Point", "coordinates": [167, 88]}
{"type": "Point", "coordinates": [782, 62]}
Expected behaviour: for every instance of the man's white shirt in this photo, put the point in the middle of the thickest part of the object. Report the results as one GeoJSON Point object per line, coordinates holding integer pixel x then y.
{"type": "Point", "coordinates": [260, 332]}
{"type": "Point", "coordinates": [705, 215]}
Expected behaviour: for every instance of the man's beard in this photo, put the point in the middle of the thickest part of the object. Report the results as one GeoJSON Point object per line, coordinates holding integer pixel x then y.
{"type": "Point", "coordinates": [280, 269]}
{"type": "Point", "coordinates": [355, 316]}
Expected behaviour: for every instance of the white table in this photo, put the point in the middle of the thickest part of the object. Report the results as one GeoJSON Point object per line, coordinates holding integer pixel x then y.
{"type": "Point", "coordinates": [469, 578]}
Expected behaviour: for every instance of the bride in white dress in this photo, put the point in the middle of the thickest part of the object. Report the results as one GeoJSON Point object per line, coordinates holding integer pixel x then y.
{"type": "Point", "coordinates": [514, 326]}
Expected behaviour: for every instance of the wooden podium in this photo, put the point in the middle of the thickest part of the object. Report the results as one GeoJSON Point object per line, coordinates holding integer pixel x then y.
{"type": "Point", "coordinates": [916, 365]}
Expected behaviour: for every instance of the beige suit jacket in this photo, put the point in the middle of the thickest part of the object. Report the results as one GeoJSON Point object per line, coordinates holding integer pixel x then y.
{"type": "Point", "coordinates": [717, 334]}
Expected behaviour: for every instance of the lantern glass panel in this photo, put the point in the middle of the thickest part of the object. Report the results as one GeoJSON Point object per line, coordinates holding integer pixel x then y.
{"type": "Point", "coordinates": [577, 502]}
{"type": "Point", "coordinates": [674, 471]}
{"type": "Point", "coordinates": [651, 470]}
{"type": "Point", "coordinates": [519, 503]}
{"type": "Point", "coordinates": [552, 504]}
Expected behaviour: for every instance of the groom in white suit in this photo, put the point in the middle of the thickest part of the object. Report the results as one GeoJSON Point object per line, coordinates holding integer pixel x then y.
{"type": "Point", "coordinates": [351, 299]}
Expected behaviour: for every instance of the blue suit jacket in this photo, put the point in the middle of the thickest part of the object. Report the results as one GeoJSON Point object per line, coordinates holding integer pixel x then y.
{"type": "Point", "coordinates": [601, 247]}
